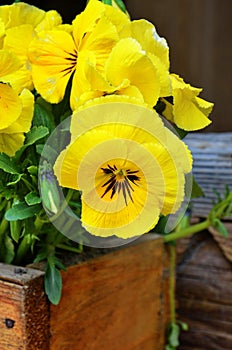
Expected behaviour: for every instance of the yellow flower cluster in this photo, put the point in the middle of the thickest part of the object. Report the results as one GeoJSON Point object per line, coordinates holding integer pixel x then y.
{"type": "Point", "coordinates": [106, 53]}
{"type": "Point", "coordinates": [103, 52]}
{"type": "Point", "coordinates": [129, 167]}
{"type": "Point", "coordinates": [19, 24]}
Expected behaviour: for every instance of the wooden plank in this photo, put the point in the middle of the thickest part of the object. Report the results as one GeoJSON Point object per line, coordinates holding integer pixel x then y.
{"type": "Point", "coordinates": [115, 301]}
{"type": "Point", "coordinates": [212, 168]}
{"type": "Point", "coordinates": [203, 291]}
{"type": "Point", "coordinates": [24, 314]}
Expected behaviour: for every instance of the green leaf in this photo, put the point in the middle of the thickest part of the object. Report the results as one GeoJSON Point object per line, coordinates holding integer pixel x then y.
{"type": "Point", "coordinates": [33, 170]}
{"type": "Point", "coordinates": [15, 179]}
{"type": "Point", "coordinates": [220, 227]}
{"type": "Point", "coordinates": [121, 5]}
{"type": "Point", "coordinates": [174, 335]}
{"type": "Point", "coordinates": [39, 257]}
{"type": "Point", "coordinates": [32, 198]}
{"type": "Point", "coordinates": [53, 283]}
{"type": "Point", "coordinates": [43, 116]}
{"type": "Point", "coordinates": [184, 326]}
{"type": "Point", "coordinates": [15, 230]}
{"type": "Point", "coordinates": [8, 165]}
{"type": "Point", "coordinates": [39, 148]}
{"type": "Point", "coordinates": [196, 189]}
{"type": "Point", "coordinates": [160, 227]}
{"type": "Point", "coordinates": [59, 264]}
{"type": "Point", "coordinates": [182, 133]}
{"type": "Point", "coordinates": [21, 211]}
{"type": "Point", "coordinates": [35, 134]}
{"type": "Point", "coordinates": [9, 250]}
{"type": "Point", "coordinates": [107, 2]}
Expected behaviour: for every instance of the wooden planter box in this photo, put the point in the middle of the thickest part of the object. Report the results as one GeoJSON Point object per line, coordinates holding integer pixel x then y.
{"type": "Point", "coordinates": [115, 301]}
{"type": "Point", "coordinates": [203, 291]}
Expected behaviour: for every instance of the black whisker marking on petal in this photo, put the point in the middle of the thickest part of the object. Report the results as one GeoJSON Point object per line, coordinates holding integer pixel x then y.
{"type": "Point", "coordinates": [121, 180]}
{"type": "Point", "coordinates": [114, 190]}
{"type": "Point", "coordinates": [127, 187]}
{"type": "Point", "coordinates": [126, 179]}
{"type": "Point", "coordinates": [133, 178]}
{"type": "Point", "coordinates": [119, 187]}
{"type": "Point", "coordinates": [124, 192]}
{"type": "Point", "coordinates": [112, 178]}
{"type": "Point", "coordinates": [108, 188]}
{"type": "Point", "coordinates": [74, 55]}
{"type": "Point", "coordinates": [106, 170]}
{"type": "Point", "coordinates": [132, 171]}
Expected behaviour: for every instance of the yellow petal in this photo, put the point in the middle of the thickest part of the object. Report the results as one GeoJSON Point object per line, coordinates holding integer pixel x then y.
{"type": "Point", "coordinates": [11, 143]}
{"type": "Point", "coordinates": [9, 64]}
{"type": "Point", "coordinates": [80, 82]}
{"type": "Point", "coordinates": [65, 169]}
{"type": "Point", "coordinates": [2, 32]}
{"type": "Point", "coordinates": [126, 61]}
{"type": "Point", "coordinates": [164, 76]}
{"type": "Point", "coordinates": [145, 33]}
{"type": "Point", "coordinates": [10, 106]}
{"type": "Point", "coordinates": [23, 123]}
{"type": "Point", "coordinates": [189, 112]}
{"type": "Point", "coordinates": [51, 19]}
{"type": "Point", "coordinates": [187, 115]}
{"type": "Point", "coordinates": [131, 91]}
{"type": "Point", "coordinates": [117, 17]}
{"type": "Point", "coordinates": [13, 71]}
{"type": "Point", "coordinates": [53, 58]}
{"type": "Point", "coordinates": [205, 106]}
{"type": "Point", "coordinates": [18, 39]}
{"type": "Point", "coordinates": [100, 41]}
{"type": "Point", "coordinates": [86, 21]}
{"type": "Point", "coordinates": [21, 13]}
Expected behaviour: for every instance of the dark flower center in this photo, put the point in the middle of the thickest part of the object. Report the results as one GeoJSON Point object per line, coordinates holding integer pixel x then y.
{"type": "Point", "coordinates": [120, 181]}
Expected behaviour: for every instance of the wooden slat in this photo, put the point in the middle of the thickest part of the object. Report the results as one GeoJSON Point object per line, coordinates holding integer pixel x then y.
{"type": "Point", "coordinates": [212, 167]}
{"type": "Point", "coordinates": [24, 314]}
{"type": "Point", "coordinates": [117, 301]}
{"type": "Point", "coordinates": [203, 291]}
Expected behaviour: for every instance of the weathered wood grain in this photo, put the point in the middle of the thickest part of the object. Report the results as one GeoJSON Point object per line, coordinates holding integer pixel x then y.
{"type": "Point", "coordinates": [212, 167]}
{"type": "Point", "coordinates": [24, 312]}
{"type": "Point", "coordinates": [203, 291]}
{"type": "Point", "coordinates": [117, 301]}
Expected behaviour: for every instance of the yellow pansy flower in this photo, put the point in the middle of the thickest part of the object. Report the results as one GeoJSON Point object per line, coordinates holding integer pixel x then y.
{"type": "Point", "coordinates": [126, 165]}
{"type": "Point", "coordinates": [2, 32]}
{"type": "Point", "coordinates": [188, 111]}
{"type": "Point", "coordinates": [155, 47]}
{"type": "Point", "coordinates": [16, 112]}
{"type": "Point", "coordinates": [9, 67]}
{"type": "Point", "coordinates": [21, 23]}
{"type": "Point", "coordinates": [127, 71]}
{"type": "Point", "coordinates": [56, 55]}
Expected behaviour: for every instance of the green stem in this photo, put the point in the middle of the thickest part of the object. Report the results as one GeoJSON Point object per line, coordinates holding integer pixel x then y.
{"type": "Point", "coordinates": [172, 278]}
{"type": "Point", "coordinates": [3, 226]}
{"type": "Point", "coordinates": [4, 223]}
{"type": "Point", "coordinates": [27, 183]}
{"type": "Point", "coordinates": [69, 248]}
{"type": "Point", "coordinates": [38, 224]}
{"type": "Point", "coordinates": [187, 232]}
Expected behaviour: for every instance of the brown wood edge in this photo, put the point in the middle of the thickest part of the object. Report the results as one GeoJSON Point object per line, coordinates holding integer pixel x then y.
{"type": "Point", "coordinates": [36, 308]}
